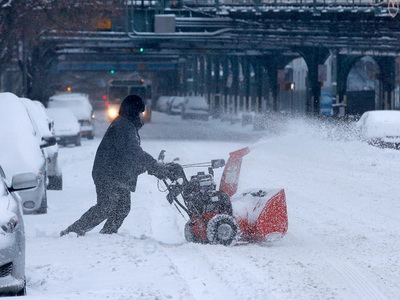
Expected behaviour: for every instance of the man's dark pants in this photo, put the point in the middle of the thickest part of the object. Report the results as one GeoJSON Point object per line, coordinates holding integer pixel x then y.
{"type": "Point", "coordinates": [113, 204]}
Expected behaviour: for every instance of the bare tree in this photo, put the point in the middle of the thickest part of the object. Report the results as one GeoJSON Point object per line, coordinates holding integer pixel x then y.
{"type": "Point", "coordinates": [22, 22]}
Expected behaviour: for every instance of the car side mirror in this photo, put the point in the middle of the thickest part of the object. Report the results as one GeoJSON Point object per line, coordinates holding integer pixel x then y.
{"type": "Point", "coordinates": [217, 163]}
{"type": "Point", "coordinates": [23, 181]}
{"type": "Point", "coordinates": [48, 141]}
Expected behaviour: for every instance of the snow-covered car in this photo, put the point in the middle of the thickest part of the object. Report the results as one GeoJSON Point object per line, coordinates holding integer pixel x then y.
{"type": "Point", "coordinates": [175, 107]}
{"type": "Point", "coordinates": [195, 107]}
{"type": "Point", "coordinates": [43, 126]}
{"type": "Point", "coordinates": [163, 103]}
{"type": "Point", "coordinates": [80, 105]}
{"type": "Point", "coordinates": [12, 235]}
{"type": "Point", "coordinates": [380, 128]}
{"type": "Point", "coordinates": [21, 151]}
{"type": "Point", "coordinates": [66, 126]}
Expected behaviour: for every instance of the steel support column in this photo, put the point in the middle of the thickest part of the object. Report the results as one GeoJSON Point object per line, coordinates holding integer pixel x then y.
{"type": "Point", "coordinates": [202, 75]}
{"type": "Point", "coordinates": [235, 90]}
{"type": "Point", "coordinates": [246, 81]}
{"type": "Point", "coordinates": [387, 66]}
{"type": "Point", "coordinates": [313, 58]}
{"type": "Point", "coordinates": [258, 70]}
{"type": "Point", "coordinates": [208, 89]}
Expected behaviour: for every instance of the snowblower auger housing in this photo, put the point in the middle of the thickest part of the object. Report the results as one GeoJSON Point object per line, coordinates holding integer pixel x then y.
{"type": "Point", "coordinates": [261, 213]}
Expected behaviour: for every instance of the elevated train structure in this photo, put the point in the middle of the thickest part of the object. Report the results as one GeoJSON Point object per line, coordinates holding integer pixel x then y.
{"type": "Point", "coordinates": [235, 52]}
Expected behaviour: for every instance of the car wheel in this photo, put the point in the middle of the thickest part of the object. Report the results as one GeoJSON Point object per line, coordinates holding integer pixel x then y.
{"type": "Point", "coordinates": [43, 206]}
{"type": "Point", "coordinates": [90, 136]}
{"type": "Point", "coordinates": [55, 183]}
{"type": "Point", "coordinates": [78, 141]}
{"type": "Point", "coordinates": [22, 292]}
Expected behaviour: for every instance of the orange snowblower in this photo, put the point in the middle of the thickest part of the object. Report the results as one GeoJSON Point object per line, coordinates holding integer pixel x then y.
{"type": "Point", "coordinates": [221, 216]}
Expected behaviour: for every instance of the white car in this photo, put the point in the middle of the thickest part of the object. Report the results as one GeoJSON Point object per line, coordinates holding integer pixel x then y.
{"type": "Point", "coordinates": [163, 103]}
{"type": "Point", "coordinates": [80, 105]}
{"type": "Point", "coordinates": [12, 234]}
{"type": "Point", "coordinates": [66, 126]}
{"type": "Point", "coordinates": [175, 107]}
{"type": "Point", "coordinates": [43, 125]}
{"type": "Point", "coordinates": [195, 107]}
{"type": "Point", "coordinates": [381, 128]}
{"type": "Point", "coordinates": [21, 151]}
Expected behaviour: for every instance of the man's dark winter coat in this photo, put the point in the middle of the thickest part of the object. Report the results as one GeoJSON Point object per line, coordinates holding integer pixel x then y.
{"type": "Point", "coordinates": [120, 159]}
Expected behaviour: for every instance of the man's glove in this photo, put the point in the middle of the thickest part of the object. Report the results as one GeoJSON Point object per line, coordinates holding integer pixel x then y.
{"type": "Point", "coordinates": [159, 170]}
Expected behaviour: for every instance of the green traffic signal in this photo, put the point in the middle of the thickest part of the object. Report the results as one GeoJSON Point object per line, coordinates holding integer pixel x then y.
{"type": "Point", "coordinates": [141, 50]}
{"type": "Point", "coordinates": [112, 71]}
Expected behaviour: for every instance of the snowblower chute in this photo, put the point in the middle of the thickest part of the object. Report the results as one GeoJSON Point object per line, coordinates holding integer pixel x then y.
{"type": "Point", "coordinates": [261, 214]}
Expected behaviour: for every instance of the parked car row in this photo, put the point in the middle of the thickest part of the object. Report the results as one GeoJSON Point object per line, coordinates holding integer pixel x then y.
{"type": "Point", "coordinates": [189, 107]}
{"type": "Point", "coordinates": [28, 154]}
{"type": "Point", "coordinates": [29, 158]}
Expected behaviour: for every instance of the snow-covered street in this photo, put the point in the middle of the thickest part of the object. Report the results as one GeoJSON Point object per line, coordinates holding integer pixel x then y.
{"type": "Point", "coordinates": [343, 240]}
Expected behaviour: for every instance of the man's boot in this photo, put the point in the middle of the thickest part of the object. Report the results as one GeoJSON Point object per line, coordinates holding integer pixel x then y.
{"type": "Point", "coordinates": [68, 230]}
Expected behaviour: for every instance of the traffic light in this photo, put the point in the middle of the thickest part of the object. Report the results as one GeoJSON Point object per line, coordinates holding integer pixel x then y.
{"type": "Point", "coordinates": [112, 71]}
{"type": "Point", "coordinates": [141, 50]}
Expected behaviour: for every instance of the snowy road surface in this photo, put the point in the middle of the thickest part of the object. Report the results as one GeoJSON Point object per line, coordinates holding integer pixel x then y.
{"type": "Point", "coordinates": [343, 240]}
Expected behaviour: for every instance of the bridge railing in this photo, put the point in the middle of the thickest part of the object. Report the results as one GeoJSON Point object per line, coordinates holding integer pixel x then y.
{"type": "Point", "coordinates": [264, 2]}
{"type": "Point", "coordinates": [287, 2]}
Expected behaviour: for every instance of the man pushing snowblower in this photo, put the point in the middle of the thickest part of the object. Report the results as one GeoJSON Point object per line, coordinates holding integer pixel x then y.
{"type": "Point", "coordinates": [118, 163]}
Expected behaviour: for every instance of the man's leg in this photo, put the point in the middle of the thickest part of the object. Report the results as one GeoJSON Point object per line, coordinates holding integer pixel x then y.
{"type": "Point", "coordinates": [96, 214]}
{"type": "Point", "coordinates": [120, 211]}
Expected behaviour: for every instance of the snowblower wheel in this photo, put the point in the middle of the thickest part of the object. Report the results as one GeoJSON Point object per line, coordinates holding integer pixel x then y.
{"type": "Point", "coordinates": [222, 229]}
{"type": "Point", "coordinates": [189, 235]}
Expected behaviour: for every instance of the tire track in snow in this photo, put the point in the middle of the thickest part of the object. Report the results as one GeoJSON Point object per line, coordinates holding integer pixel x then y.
{"type": "Point", "coordinates": [348, 275]}
{"type": "Point", "coordinates": [199, 273]}
{"type": "Point", "coordinates": [364, 287]}
{"type": "Point", "coordinates": [243, 278]}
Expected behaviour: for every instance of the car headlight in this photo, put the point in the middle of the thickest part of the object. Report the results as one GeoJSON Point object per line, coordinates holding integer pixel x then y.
{"type": "Point", "coordinates": [10, 226]}
{"type": "Point", "coordinates": [112, 113]}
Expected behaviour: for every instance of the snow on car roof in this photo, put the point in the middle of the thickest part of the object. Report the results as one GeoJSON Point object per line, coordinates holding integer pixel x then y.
{"type": "Point", "coordinates": [20, 151]}
{"type": "Point", "coordinates": [385, 116]}
{"type": "Point", "coordinates": [78, 103]}
{"type": "Point", "coordinates": [38, 117]}
{"type": "Point", "coordinates": [68, 96]}
{"type": "Point", "coordinates": [64, 120]}
{"type": "Point", "coordinates": [380, 123]}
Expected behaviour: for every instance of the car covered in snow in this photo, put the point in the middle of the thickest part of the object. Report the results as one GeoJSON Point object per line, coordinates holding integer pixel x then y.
{"type": "Point", "coordinates": [43, 125]}
{"type": "Point", "coordinates": [80, 105]}
{"type": "Point", "coordinates": [21, 151]}
{"type": "Point", "coordinates": [175, 107]}
{"type": "Point", "coordinates": [12, 235]}
{"type": "Point", "coordinates": [66, 126]}
{"type": "Point", "coordinates": [163, 103]}
{"type": "Point", "coordinates": [380, 128]}
{"type": "Point", "coordinates": [195, 107]}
